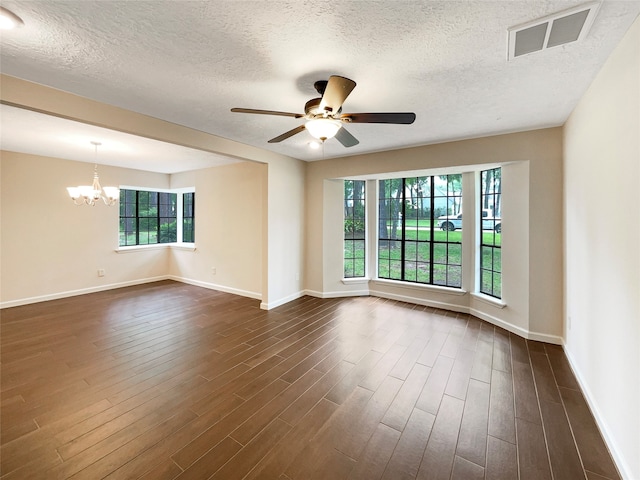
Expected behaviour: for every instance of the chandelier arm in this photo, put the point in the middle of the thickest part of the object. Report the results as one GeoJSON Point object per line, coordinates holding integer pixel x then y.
{"type": "Point", "coordinates": [86, 195]}
{"type": "Point", "coordinates": [109, 202]}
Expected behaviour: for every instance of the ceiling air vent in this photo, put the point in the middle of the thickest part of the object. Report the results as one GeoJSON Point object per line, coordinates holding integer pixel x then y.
{"type": "Point", "coordinates": [557, 29]}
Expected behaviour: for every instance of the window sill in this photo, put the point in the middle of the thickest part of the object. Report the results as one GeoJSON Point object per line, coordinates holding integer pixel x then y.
{"type": "Point", "coordinates": [188, 247]}
{"type": "Point", "coordinates": [157, 246]}
{"type": "Point", "coordinates": [494, 302]}
{"type": "Point", "coordinates": [422, 287]}
{"type": "Point", "coordinates": [355, 280]}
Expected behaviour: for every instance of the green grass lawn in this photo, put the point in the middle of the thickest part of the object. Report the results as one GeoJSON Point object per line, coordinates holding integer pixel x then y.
{"type": "Point", "coordinates": [417, 223]}
{"type": "Point", "coordinates": [447, 259]}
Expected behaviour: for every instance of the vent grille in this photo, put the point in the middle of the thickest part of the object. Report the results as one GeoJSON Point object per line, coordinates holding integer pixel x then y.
{"type": "Point", "coordinates": [558, 29]}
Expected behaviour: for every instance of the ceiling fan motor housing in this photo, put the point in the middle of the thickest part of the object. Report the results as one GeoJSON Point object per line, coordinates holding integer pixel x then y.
{"type": "Point", "coordinates": [311, 108]}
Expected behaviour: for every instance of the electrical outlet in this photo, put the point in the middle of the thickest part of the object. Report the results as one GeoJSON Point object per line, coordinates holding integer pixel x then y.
{"type": "Point", "coordinates": [101, 272]}
{"type": "Point", "coordinates": [569, 322]}
{"type": "Point", "coordinates": [213, 270]}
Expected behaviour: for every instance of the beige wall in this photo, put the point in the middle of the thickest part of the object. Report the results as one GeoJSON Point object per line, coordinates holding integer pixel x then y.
{"type": "Point", "coordinates": [278, 258]}
{"type": "Point", "coordinates": [229, 213]}
{"type": "Point", "coordinates": [532, 169]}
{"type": "Point", "coordinates": [49, 247]}
{"type": "Point", "coordinates": [602, 248]}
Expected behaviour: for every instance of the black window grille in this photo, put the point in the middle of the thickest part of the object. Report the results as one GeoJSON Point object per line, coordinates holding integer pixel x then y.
{"type": "Point", "coordinates": [147, 217]}
{"type": "Point", "coordinates": [490, 226]}
{"type": "Point", "coordinates": [188, 217]}
{"type": "Point", "coordinates": [419, 230]}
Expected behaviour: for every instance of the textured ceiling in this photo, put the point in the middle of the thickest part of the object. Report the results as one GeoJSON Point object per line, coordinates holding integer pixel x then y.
{"type": "Point", "coordinates": [190, 62]}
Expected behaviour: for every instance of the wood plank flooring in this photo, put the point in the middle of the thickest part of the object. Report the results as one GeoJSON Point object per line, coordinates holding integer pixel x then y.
{"type": "Point", "coordinates": [167, 380]}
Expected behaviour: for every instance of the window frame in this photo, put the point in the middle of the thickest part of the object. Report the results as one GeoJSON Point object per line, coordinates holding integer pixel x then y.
{"type": "Point", "coordinates": [191, 217]}
{"type": "Point", "coordinates": [432, 242]}
{"type": "Point", "coordinates": [355, 272]}
{"type": "Point", "coordinates": [179, 210]}
{"type": "Point", "coordinates": [495, 245]}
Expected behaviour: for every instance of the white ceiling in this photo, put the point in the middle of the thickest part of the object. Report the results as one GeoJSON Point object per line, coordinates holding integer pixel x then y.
{"type": "Point", "coordinates": [31, 132]}
{"type": "Point", "coordinates": [190, 62]}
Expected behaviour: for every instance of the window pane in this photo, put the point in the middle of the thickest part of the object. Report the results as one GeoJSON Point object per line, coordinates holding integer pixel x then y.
{"type": "Point", "coordinates": [410, 271]}
{"type": "Point", "coordinates": [423, 273]}
{"type": "Point", "coordinates": [358, 268]}
{"type": "Point", "coordinates": [411, 250]}
{"type": "Point", "coordinates": [411, 230]}
{"type": "Point", "coordinates": [187, 230]}
{"type": "Point", "coordinates": [143, 204]}
{"type": "Point", "coordinates": [454, 256]}
{"type": "Point", "coordinates": [486, 259]}
{"type": "Point", "coordinates": [454, 276]}
{"type": "Point", "coordinates": [440, 253]}
{"type": "Point", "coordinates": [383, 268]}
{"type": "Point", "coordinates": [487, 281]}
{"type": "Point", "coordinates": [348, 268]}
{"type": "Point", "coordinates": [122, 239]}
{"type": "Point", "coordinates": [167, 204]}
{"type": "Point", "coordinates": [497, 260]}
{"type": "Point", "coordinates": [497, 284]}
{"type": "Point", "coordinates": [424, 253]}
{"type": "Point", "coordinates": [168, 230]}
{"type": "Point", "coordinates": [348, 249]}
{"type": "Point", "coordinates": [395, 270]}
{"type": "Point", "coordinates": [439, 274]}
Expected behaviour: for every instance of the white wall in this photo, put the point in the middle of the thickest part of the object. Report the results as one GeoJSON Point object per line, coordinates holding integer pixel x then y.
{"type": "Point", "coordinates": [49, 246]}
{"type": "Point", "coordinates": [532, 214]}
{"type": "Point", "coordinates": [602, 248]}
{"type": "Point", "coordinates": [286, 230]}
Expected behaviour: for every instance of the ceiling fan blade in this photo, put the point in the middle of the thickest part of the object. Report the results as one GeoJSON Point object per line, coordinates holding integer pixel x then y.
{"type": "Point", "coordinates": [345, 138]}
{"type": "Point", "coordinates": [288, 134]}
{"type": "Point", "coordinates": [267, 112]}
{"type": "Point", "coordinates": [404, 118]}
{"type": "Point", "coordinates": [337, 90]}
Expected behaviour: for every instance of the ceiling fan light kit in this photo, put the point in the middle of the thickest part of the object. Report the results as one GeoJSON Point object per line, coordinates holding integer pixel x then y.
{"type": "Point", "coordinates": [323, 128]}
{"type": "Point", "coordinates": [9, 20]}
{"type": "Point", "coordinates": [324, 115]}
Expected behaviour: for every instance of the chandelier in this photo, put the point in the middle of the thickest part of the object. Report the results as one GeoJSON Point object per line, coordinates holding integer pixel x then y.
{"type": "Point", "coordinates": [90, 194]}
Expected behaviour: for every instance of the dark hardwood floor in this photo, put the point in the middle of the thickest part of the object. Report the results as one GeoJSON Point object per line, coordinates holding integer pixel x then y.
{"type": "Point", "coordinates": [168, 380]}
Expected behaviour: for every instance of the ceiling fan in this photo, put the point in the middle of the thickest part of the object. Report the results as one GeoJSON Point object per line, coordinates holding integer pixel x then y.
{"type": "Point", "coordinates": [324, 115]}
